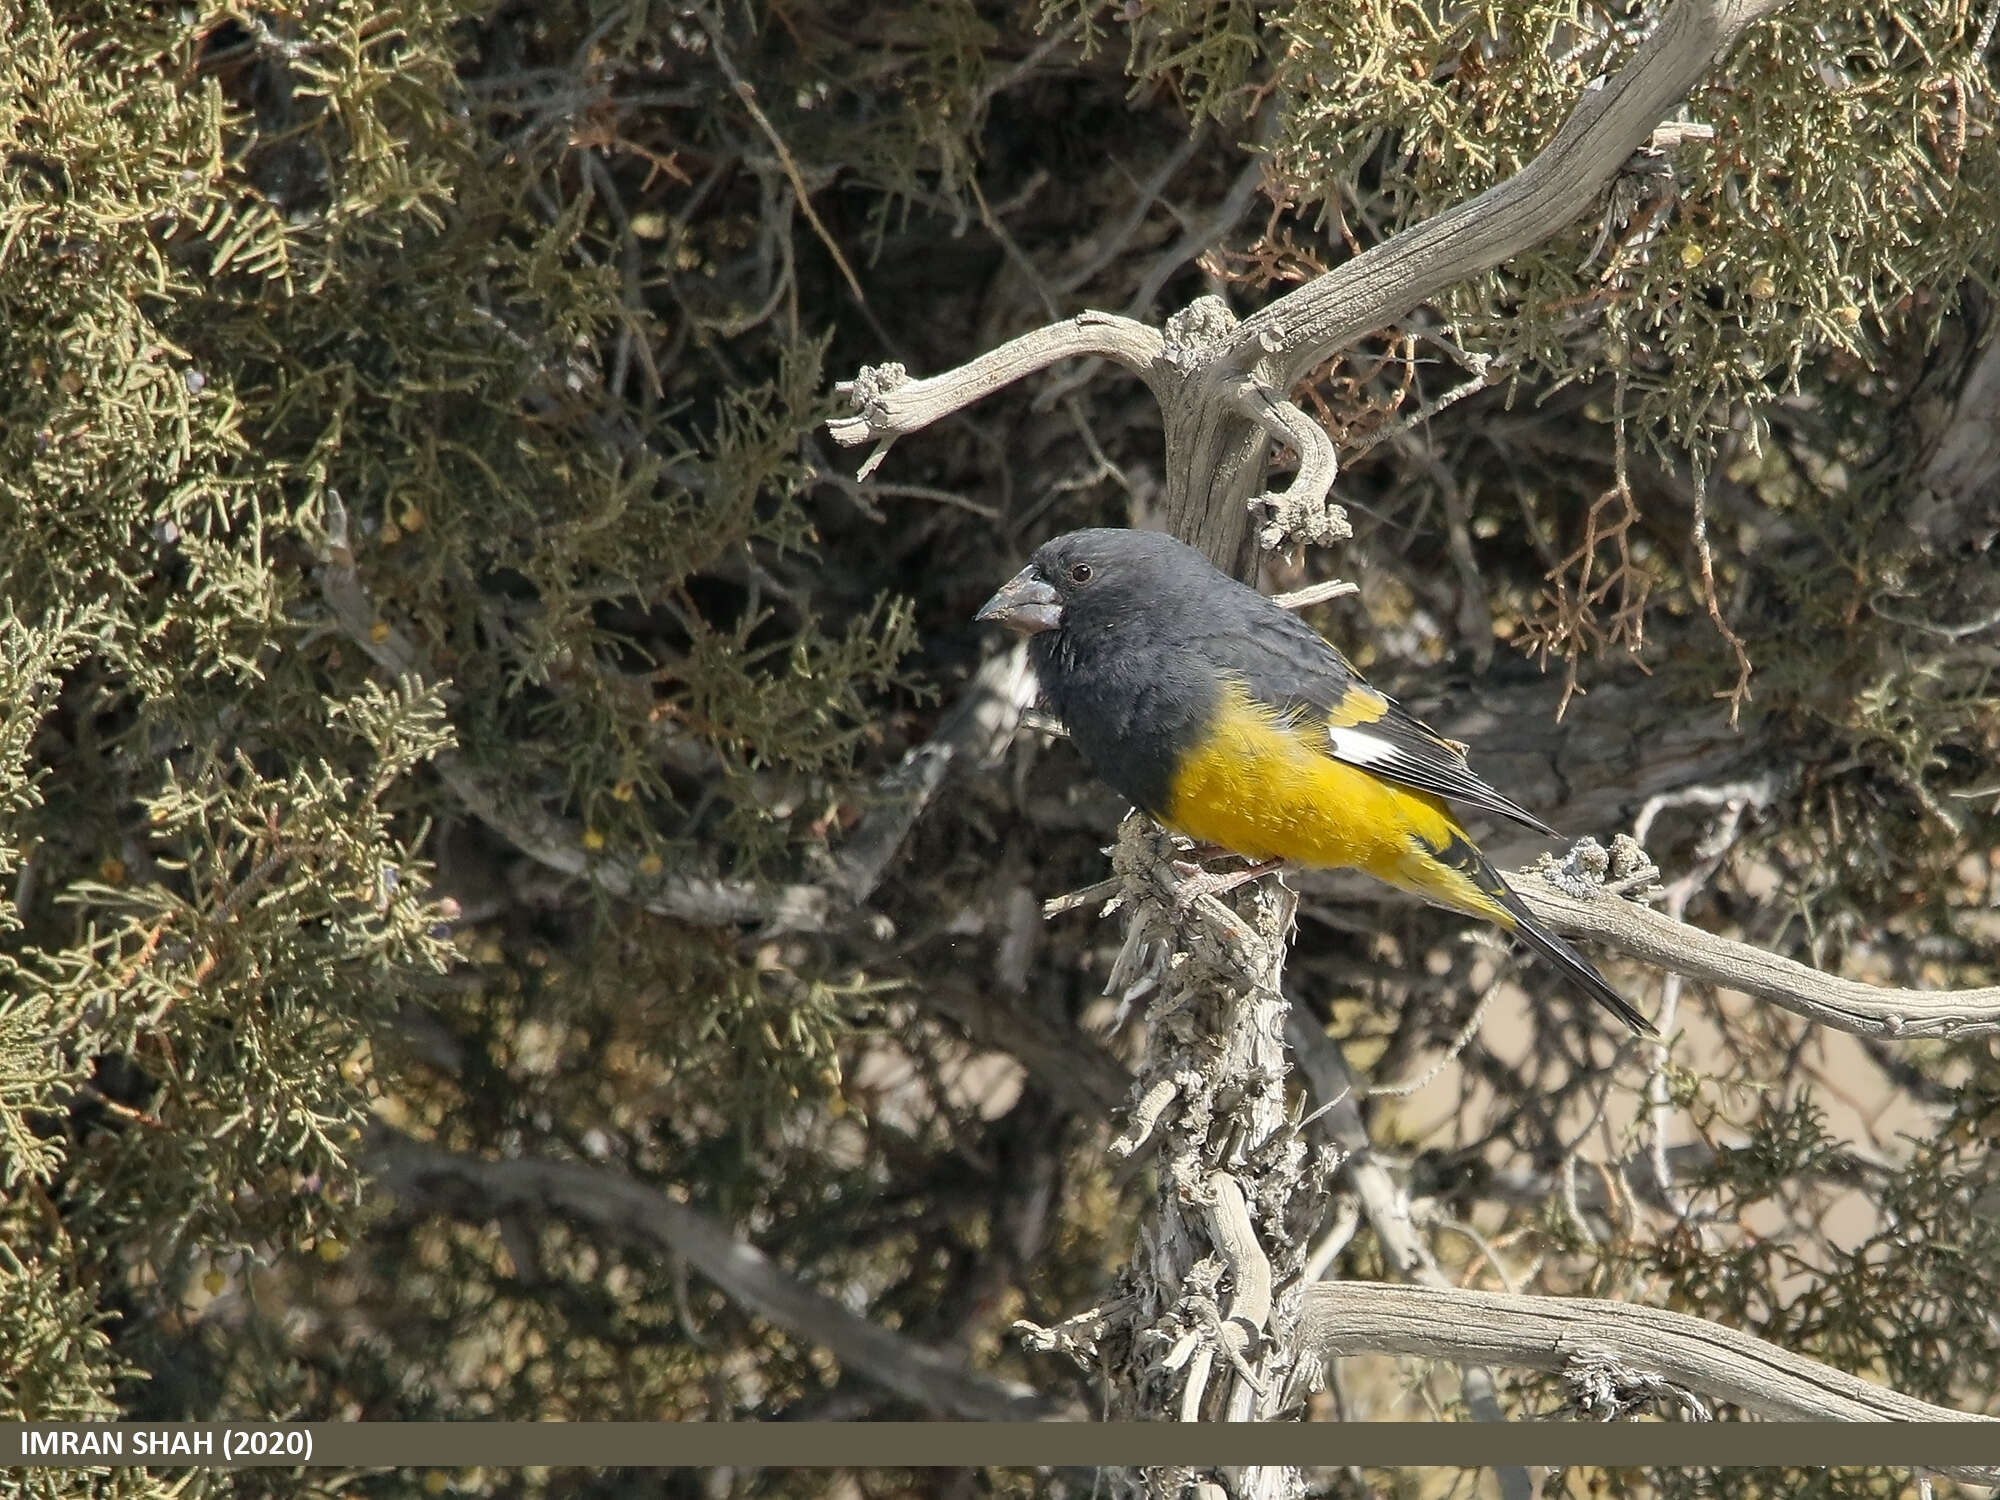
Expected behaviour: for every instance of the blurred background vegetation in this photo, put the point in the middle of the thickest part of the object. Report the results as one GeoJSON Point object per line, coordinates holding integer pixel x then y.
{"type": "Point", "coordinates": [444, 659]}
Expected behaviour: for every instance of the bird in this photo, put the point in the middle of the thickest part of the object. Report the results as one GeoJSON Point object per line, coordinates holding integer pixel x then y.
{"type": "Point", "coordinates": [1230, 720]}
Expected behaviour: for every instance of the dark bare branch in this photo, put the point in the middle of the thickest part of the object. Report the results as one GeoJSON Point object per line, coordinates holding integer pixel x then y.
{"type": "Point", "coordinates": [613, 1204]}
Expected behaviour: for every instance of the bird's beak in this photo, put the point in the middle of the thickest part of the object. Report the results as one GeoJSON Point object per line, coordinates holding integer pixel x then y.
{"type": "Point", "coordinates": [1025, 603]}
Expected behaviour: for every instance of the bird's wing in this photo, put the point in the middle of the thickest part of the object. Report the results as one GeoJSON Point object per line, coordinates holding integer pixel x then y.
{"type": "Point", "coordinates": [1288, 666]}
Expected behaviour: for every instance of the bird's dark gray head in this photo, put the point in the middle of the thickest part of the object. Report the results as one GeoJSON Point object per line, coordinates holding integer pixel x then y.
{"type": "Point", "coordinates": [1089, 584]}
{"type": "Point", "coordinates": [1116, 622]}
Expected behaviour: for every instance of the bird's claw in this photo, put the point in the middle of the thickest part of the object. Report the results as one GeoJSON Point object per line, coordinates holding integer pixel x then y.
{"type": "Point", "coordinates": [1197, 882]}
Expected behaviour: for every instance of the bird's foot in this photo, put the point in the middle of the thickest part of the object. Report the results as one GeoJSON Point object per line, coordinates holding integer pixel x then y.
{"type": "Point", "coordinates": [1197, 882]}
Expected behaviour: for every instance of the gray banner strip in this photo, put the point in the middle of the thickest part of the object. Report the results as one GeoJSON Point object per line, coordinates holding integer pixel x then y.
{"type": "Point", "coordinates": [1937, 1445]}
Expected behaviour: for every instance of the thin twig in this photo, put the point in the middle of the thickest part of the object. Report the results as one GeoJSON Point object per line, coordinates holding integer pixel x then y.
{"type": "Point", "coordinates": [748, 95]}
{"type": "Point", "coordinates": [1739, 694]}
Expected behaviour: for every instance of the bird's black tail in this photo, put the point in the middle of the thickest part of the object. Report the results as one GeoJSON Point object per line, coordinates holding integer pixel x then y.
{"type": "Point", "coordinates": [1486, 894]}
{"type": "Point", "coordinates": [1573, 966]}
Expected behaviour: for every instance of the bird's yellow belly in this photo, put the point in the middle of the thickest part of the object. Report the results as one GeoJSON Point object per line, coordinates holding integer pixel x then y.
{"type": "Point", "coordinates": [1261, 790]}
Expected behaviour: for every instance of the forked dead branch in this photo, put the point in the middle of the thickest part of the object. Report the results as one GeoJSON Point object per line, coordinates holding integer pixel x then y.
{"type": "Point", "coordinates": [1217, 439]}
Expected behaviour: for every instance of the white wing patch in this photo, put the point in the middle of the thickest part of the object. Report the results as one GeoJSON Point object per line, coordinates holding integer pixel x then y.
{"type": "Point", "coordinates": [1359, 748]}
{"type": "Point", "coordinates": [1424, 762]}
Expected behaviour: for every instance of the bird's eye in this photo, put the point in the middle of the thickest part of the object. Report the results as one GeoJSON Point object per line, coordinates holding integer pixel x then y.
{"type": "Point", "coordinates": [1080, 572]}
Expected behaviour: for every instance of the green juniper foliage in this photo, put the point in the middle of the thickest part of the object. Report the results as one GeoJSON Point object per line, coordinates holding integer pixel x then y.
{"type": "Point", "coordinates": [258, 272]}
